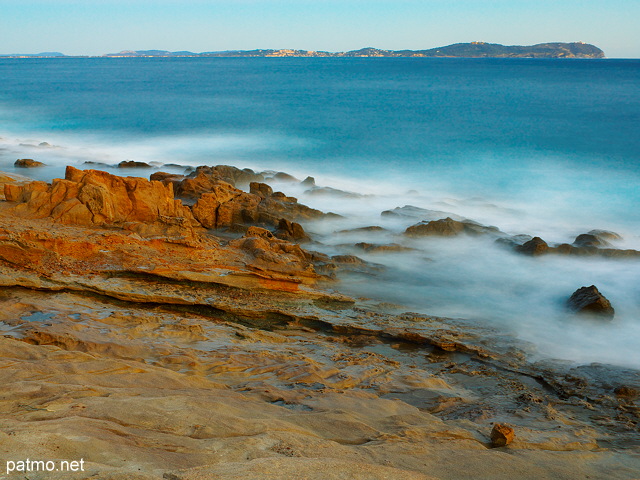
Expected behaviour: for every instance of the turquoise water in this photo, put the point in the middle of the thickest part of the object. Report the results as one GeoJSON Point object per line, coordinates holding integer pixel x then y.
{"type": "Point", "coordinates": [543, 147]}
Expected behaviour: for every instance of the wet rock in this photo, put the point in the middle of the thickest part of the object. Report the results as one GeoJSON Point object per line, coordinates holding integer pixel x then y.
{"type": "Point", "coordinates": [588, 300]}
{"type": "Point", "coordinates": [535, 246]}
{"type": "Point", "coordinates": [388, 248]}
{"type": "Point", "coordinates": [448, 227]}
{"type": "Point", "coordinates": [411, 211]}
{"type": "Point", "coordinates": [133, 164]}
{"type": "Point", "coordinates": [606, 235]}
{"type": "Point", "coordinates": [590, 240]}
{"type": "Point", "coordinates": [513, 241]}
{"type": "Point", "coordinates": [291, 231]}
{"type": "Point", "coordinates": [27, 163]}
{"type": "Point", "coordinates": [624, 391]}
{"type": "Point", "coordinates": [97, 164]}
{"type": "Point", "coordinates": [333, 192]}
{"type": "Point", "coordinates": [501, 435]}
{"type": "Point", "coordinates": [373, 228]}
{"type": "Point", "coordinates": [348, 260]}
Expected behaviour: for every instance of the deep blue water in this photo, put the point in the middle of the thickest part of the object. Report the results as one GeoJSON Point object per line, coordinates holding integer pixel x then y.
{"type": "Point", "coordinates": [543, 147]}
{"type": "Point", "coordinates": [485, 126]}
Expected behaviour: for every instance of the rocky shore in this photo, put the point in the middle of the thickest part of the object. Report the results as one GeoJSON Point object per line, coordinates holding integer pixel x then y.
{"type": "Point", "coordinates": [189, 327]}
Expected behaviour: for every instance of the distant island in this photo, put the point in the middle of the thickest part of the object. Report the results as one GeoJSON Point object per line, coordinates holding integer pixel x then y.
{"type": "Point", "coordinates": [457, 50]}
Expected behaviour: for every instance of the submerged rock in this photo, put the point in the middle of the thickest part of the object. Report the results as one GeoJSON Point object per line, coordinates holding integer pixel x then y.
{"type": "Point", "coordinates": [133, 164]}
{"type": "Point", "coordinates": [588, 300]}
{"type": "Point", "coordinates": [411, 211]}
{"type": "Point", "coordinates": [332, 192]}
{"type": "Point", "coordinates": [590, 240]}
{"type": "Point", "coordinates": [535, 246]}
{"type": "Point", "coordinates": [448, 227]}
{"type": "Point", "coordinates": [386, 248]}
{"type": "Point", "coordinates": [27, 163]}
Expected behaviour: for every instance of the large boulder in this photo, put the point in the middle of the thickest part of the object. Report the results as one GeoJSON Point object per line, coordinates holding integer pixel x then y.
{"type": "Point", "coordinates": [588, 300]}
{"type": "Point", "coordinates": [133, 164]}
{"type": "Point", "coordinates": [93, 197]}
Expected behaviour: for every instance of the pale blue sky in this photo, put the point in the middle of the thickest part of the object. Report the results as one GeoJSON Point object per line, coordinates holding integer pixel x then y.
{"type": "Point", "coordinates": [94, 27]}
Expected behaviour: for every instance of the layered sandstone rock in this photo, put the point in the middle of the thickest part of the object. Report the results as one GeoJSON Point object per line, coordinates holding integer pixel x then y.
{"type": "Point", "coordinates": [271, 253]}
{"type": "Point", "coordinates": [224, 205]}
{"type": "Point", "coordinates": [92, 197]}
{"type": "Point", "coordinates": [204, 178]}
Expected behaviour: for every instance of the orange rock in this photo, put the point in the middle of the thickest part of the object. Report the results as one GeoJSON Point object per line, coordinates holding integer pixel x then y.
{"type": "Point", "coordinates": [92, 197]}
{"type": "Point", "coordinates": [225, 206]}
{"type": "Point", "coordinates": [502, 435]}
{"type": "Point", "coordinates": [273, 254]}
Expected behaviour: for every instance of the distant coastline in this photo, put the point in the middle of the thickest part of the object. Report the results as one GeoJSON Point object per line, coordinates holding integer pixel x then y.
{"type": "Point", "coordinates": [457, 50]}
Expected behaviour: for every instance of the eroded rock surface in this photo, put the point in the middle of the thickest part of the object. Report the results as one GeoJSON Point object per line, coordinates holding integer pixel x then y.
{"type": "Point", "coordinates": [202, 358]}
{"type": "Point", "coordinates": [93, 197]}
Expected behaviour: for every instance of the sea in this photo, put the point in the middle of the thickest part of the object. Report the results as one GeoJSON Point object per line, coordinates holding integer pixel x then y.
{"type": "Point", "coordinates": [542, 147]}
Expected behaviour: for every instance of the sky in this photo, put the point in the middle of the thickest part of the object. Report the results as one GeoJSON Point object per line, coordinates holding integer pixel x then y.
{"type": "Point", "coordinates": [96, 27]}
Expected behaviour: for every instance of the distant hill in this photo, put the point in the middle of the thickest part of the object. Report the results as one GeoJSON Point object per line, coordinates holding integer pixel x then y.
{"type": "Point", "coordinates": [43, 54]}
{"type": "Point", "coordinates": [542, 50]}
{"type": "Point", "coordinates": [459, 50]}
{"type": "Point", "coordinates": [467, 50]}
